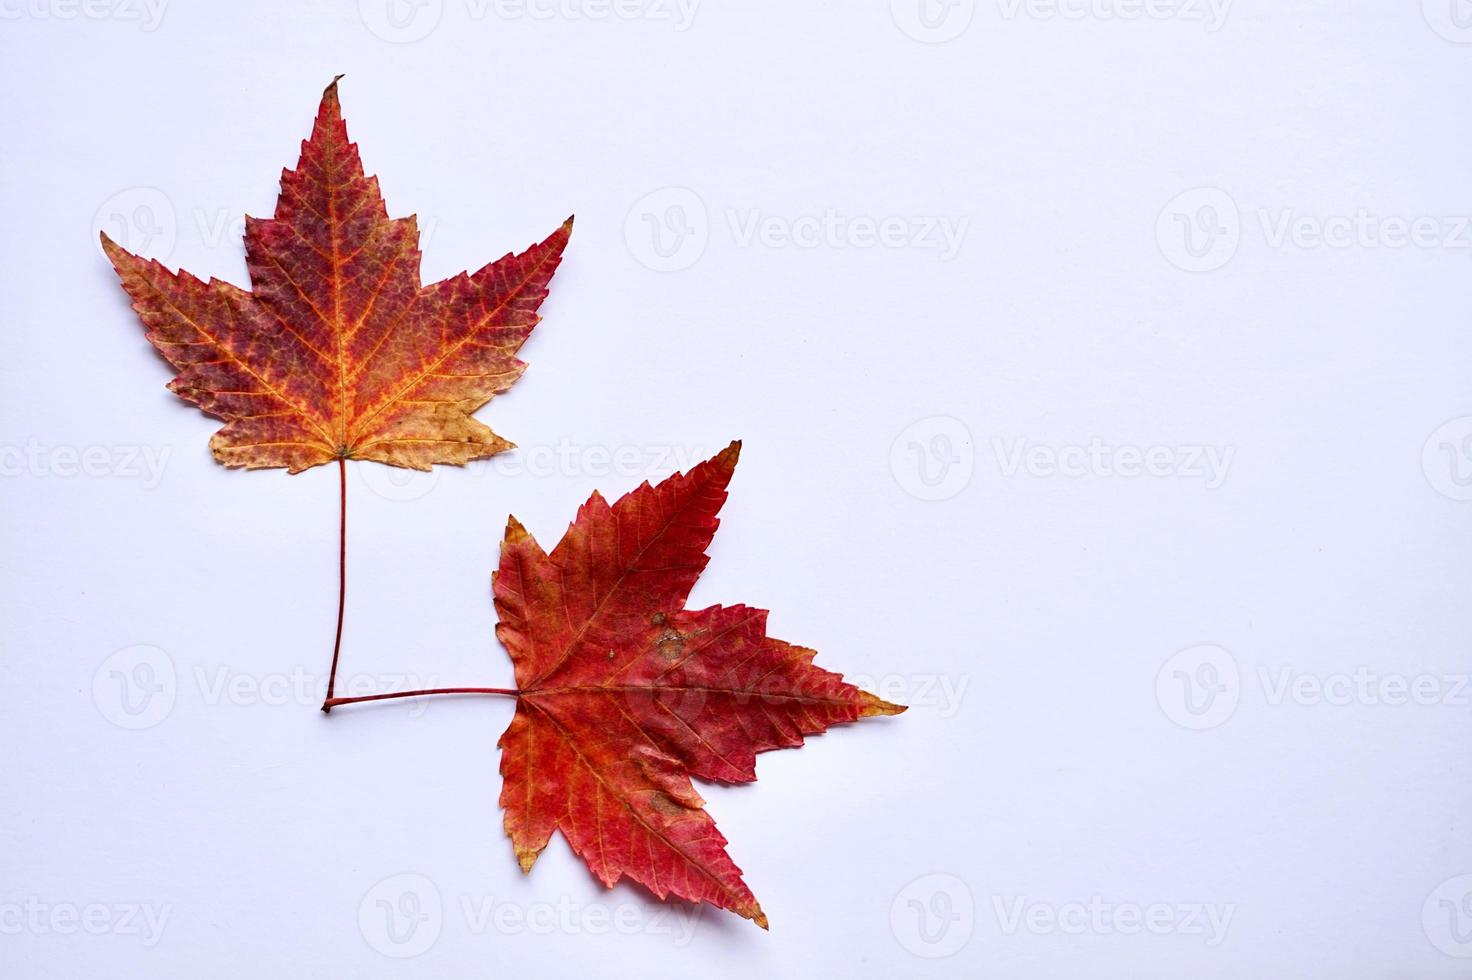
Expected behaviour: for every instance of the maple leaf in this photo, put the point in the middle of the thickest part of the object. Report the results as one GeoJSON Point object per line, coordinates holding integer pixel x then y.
{"type": "Point", "coordinates": [624, 694]}
{"type": "Point", "coordinates": [338, 352]}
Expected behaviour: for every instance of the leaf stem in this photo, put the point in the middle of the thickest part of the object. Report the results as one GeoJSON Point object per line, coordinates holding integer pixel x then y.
{"type": "Point", "coordinates": [502, 691]}
{"type": "Point", "coordinates": [342, 576]}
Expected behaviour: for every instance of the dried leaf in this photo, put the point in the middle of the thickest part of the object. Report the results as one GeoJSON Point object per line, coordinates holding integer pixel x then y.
{"type": "Point", "coordinates": [624, 694]}
{"type": "Point", "coordinates": [338, 351]}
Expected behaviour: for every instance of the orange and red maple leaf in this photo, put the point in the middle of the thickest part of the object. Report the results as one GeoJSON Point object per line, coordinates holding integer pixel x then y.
{"type": "Point", "coordinates": [624, 694]}
{"type": "Point", "coordinates": [338, 351]}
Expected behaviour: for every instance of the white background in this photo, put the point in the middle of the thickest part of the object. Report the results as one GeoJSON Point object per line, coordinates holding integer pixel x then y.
{"type": "Point", "coordinates": [1139, 695]}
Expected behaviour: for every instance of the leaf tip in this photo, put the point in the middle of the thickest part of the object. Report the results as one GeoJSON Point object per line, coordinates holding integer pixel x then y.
{"type": "Point", "coordinates": [870, 706]}
{"type": "Point", "coordinates": [110, 248]}
{"type": "Point", "coordinates": [329, 109]}
{"type": "Point", "coordinates": [726, 458]}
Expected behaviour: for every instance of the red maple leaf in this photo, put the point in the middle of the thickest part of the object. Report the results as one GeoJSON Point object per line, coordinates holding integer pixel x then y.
{"type": "Point", "coordinates": [624, 694]}
{"type": "Point", "coordinates": [338, 351]}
